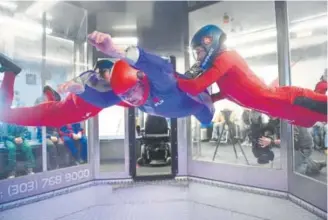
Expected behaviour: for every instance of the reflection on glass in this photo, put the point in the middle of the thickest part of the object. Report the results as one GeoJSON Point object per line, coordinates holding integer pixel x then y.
{"type": "Point", "coordinates": [20, 151]}
{"type": "Point", "coordinates": [153, 145]}
{"type": "Point", "coordinates": [111, 135]}
{"type": "Point", "coordinates": [238, 135]}
{"type": "Point", "coordinates": [308, 39]}
{"type": "Point", "coordinates": [65, 58]}
{"type": "Point", "coordinates": [21, 147]}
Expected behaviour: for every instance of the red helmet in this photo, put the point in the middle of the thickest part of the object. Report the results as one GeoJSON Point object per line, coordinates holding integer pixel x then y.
{"type": "Point", "coordinates": [129, 84]}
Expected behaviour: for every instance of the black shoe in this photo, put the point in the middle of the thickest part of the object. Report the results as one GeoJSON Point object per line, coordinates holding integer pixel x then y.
{"type": "Point", "coordinates": [54, 93]}
{"type": "Point", "coordinates": [322, 164]}
{"type": "Point", "coordinates": [8, 65]}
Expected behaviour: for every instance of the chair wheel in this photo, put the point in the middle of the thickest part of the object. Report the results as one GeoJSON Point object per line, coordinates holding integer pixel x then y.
{"type": "Point", "coordinates": [168, 160]}
{"type": "Point", "coordinates": [140, 161]}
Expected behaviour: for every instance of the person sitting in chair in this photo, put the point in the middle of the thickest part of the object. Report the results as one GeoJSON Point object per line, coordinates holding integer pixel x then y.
{"type": "Point", "coordinates": [73, 135]}
{"type": "Point", "coordinates": [224, 116]}
{"type": "Point", "coordinates": [15, 140]}
{"type": "Point", "coordinates": [218, 122]}
{"type": "Point", "coordinates": [53, 141]}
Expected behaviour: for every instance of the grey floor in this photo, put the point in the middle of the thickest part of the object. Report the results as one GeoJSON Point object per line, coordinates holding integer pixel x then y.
{"type": "Point", "coordinates": [160, 201]}
{"type": "Point", "coordinates": [225, 154]}
{"type": "Point", "coordinates": [141, 170]}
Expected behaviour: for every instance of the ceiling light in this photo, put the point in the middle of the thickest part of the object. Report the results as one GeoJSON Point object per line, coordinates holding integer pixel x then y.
{"type": "Point", "coordinates": [23, 24]}
{"type": "Point", "coordinates": [303, 34]}
{"type": "Point", "coordinates": [310, 24]}
{"type": "Point", "coordinates": [300, 25]}
{"type": "Point", "coordinates": [39, 7]}
{"type": "Point", "coordinates": [48, 16]}
{"type": "Point", "coordinates": [8, 5]}
{"type": "Point", "coordinates": [124, 27]}
{"type": "Point", "coordinates": [125, 40]}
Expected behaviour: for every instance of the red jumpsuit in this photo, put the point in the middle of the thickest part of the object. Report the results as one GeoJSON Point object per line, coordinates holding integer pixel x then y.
{"type": "Point", "coordinates": [54, 113]}
{"type": "Point", "coordinates": [239, 84]}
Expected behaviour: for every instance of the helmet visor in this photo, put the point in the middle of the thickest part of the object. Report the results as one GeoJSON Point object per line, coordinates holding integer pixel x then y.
{"type": "Point", "coordinates": [199, 53]}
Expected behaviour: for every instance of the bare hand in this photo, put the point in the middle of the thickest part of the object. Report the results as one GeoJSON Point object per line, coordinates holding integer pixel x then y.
{"type": "Point", "coordinates": [53, 139]}
{"type": "Point", "coordinates": [18, 140]}
{"type": "Point", "coordinates": [71, 86]}
{"type": "Point", "coordinates": [104, 43]}
{"type": "Point", "coordinates": [264, 142]}
{"type": "Point", "coordinates": [75, 137]}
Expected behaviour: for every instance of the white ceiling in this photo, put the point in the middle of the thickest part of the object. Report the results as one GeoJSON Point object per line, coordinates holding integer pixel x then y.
{"type": "Point", "coordinates": [258, 15]}
{"type": "Point", "coordinates": [250, 15]}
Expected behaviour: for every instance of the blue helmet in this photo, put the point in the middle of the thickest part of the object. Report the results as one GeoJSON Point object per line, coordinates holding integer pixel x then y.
{"type": "Point", "coordinates": [103, 64]}
{"type": "Point", "coordinates": [211, 38]}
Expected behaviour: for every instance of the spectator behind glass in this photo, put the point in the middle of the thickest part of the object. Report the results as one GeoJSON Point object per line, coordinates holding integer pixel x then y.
{"type": "Point", "coordinates": [54, 143]}
{"type": "Point", "coordinates": [15, 142]}
{"type": "Point", "coordinates": [321, 86]}
{"type": "Point", "coordinates": [259, 129]}
{"type": "Point", "coordinates": [218, 122]}
{"type": "Point", "coordinates": [74, 138]}
{"type": "Point", "coordinates": [303, 148]}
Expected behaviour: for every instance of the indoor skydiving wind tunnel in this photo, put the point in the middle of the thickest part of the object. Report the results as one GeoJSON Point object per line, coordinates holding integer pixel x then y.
{"type": "Point", "coordinates": [126, 164]}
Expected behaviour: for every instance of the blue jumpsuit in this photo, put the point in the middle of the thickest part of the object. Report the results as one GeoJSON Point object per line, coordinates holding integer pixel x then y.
{"type": "Point", "coordinates": [96, 90]}
{"type": "Point", "coordinates": [165, 98]}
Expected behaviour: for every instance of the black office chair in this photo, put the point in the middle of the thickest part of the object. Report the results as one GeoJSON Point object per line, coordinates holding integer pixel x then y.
{"type": "Point", "coordinates": [155, 142]}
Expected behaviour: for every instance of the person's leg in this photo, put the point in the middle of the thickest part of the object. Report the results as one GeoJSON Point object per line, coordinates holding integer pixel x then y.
{"type": "Point", "coordinates": [53, 114]}
{"type": "Point", "coordinates": [51, 94]}
{"type": "Point", "coordinates": [71, 110]}
{"type": "Point", "coordinates": [10, 70]}
{"type": "Point", "coordinates": [84, 149]}
{"type": "Point", "coordinates": [70, 143]}
{"type": "Point", "coordinates": [215, 131]}
{"type": "Point", "coordinates": [30, 159]}
{"type": "Point", "coordinates": [53, 154]}
{"type": "Point", "coordinates": [7, 90]}
{"type": "Point", "coordinates": [300, 106]}
{"type": "Point", "coordinates": [11, 166]}
{"type": "Point", "coordinates": [8, 65]}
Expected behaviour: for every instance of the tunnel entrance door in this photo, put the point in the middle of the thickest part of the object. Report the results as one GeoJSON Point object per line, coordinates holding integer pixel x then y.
{"type": "Point", "coordinates": [152, 145]}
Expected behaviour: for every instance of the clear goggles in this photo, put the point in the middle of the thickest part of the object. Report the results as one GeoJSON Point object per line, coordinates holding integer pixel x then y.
{"type": "Point", "coordinates": [135, 95]}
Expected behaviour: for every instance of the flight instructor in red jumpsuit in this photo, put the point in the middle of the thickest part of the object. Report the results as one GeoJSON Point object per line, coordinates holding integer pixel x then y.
{"type": "Point", "coordinates": [239, 84]}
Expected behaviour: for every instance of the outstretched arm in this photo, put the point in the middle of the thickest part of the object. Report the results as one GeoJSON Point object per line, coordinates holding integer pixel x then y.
{"type": "Point", "coordinates": [53, 114]}
{"type": "Point", "coordinates": [159, 71]}
{"type": "Point", "coordinates": [222, 64]}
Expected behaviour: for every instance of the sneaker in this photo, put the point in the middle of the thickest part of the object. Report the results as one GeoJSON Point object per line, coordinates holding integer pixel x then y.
{"type": "Point", "coordinates": [30, 171]}
{"type": "Point", "coordinates": [322, 164]}
{"type": "Point", "coordinates": [51, 93]}
{"type": "Point", "coordinates": [11, 175]}
{"type": "Point", "coordinates": [214, 140]}
{"type": "Point", "coordinates": [8, 65]}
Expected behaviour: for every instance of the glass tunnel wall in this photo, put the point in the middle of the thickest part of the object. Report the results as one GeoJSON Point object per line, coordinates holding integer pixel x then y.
{"type": "Point", "coordinates": [299, 163]}
{"type": "Point", "coordinates": [51, 49]}
{"type": "Point", "coordinates": [54, 50]}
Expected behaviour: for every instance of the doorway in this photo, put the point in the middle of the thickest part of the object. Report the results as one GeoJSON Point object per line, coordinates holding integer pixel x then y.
{"type": "Point", "coordinates": [152, 144]}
